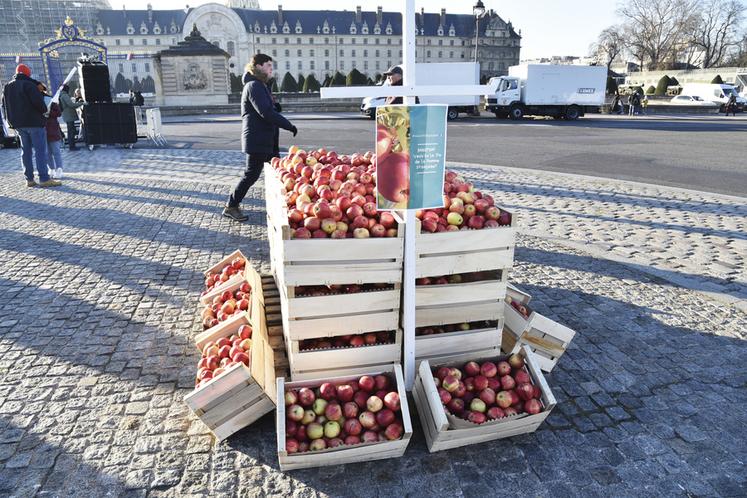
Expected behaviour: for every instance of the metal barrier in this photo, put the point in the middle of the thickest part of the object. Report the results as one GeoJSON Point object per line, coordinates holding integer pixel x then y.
{"type": "Point", "coordinates": [149, 125]}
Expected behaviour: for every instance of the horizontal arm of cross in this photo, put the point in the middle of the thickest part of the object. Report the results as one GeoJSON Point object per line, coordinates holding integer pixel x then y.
{"type": "Point", "coordinates": [405, 91]}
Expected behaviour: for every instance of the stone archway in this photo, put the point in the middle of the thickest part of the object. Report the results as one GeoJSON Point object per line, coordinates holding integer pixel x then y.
{"type": "Point", "coordinates": [218, 23]}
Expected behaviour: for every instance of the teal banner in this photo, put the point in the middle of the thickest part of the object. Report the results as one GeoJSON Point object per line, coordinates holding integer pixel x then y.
{"type": "Point", "coordinates": [410, 156]}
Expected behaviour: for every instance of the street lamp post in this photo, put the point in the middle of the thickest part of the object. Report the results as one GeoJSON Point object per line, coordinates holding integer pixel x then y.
{"type": "Point", "coordinates": [479, 11]}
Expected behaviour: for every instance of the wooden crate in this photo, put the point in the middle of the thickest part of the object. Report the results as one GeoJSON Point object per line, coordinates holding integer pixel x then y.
{"type": "Point", "coordinates": [274, 322]}
{"type": "Point", "coordinates": [344, 454]}
{"type": "Point", "coordinates": [545, 337]}
{"type": "Point", "coordinates": [517, 294]}
{"type": "Point", "coordinates": [320, 364]}
{"type": "Point", "coordinates": [242, 394]}
{"type": "Point", "coordinates": [218, 267]}
{"type": "Point", "coordinates": [439, 436]}
{"type": "Point", "coordinates": [311, 317]}
{"type": "Point", "coordinates": [446, 253]}
{"type": "Point", "coordinates": [456, 343]}
{"type": "Point", "coordinates": [328, 261]}
{"type": "Point", "coordinates": [250, 275]}
{"type": "Point", "coordinates": [462, 302]}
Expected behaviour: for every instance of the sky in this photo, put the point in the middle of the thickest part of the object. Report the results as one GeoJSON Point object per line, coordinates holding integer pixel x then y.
{"type": "Point", "coordinates": [548, 27]}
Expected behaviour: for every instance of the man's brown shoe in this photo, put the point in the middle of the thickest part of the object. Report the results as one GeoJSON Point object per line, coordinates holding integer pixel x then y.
{"type": "Point", "coordinates": [51, 183]}
{"type": "Point", "coordinates": [31, 183]}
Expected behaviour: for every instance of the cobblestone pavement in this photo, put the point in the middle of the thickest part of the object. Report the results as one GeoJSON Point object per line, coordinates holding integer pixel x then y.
{"type": "Point", "coordinates": [99, 285]}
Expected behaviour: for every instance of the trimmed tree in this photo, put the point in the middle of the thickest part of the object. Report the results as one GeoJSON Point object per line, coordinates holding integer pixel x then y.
{"type": "Point", "coordinates": [301, 81]}
{"type": "Point", "coordinates": [338, 80]}
{"type": "Point", "coordinates": [149, 84]}
{"type": "Point", "coordinates": [120, 84]}
{"type": "Point", "coordinates": [651, 90]}
{"type": "Point", "coordinates": [310, 84]}
{"type": "Point", "coordinates": [327, 80]}
{"type": "Point", "coordinates": [378, 77]}
{"type": "Point", "coordinates": [274, 85]}
{"type": "Point", "coordinates": [661, 87]}
{"type": "Point", "coordinates": [355, 78]}
{"type": "Point", "coordinates": [673, 81]}
{"type": "Point", "coordinates": [289, 83]}
{"type": "Point", "coordinates": [717, 80]}
{"type": "Point", "coordinates": [136, 85]}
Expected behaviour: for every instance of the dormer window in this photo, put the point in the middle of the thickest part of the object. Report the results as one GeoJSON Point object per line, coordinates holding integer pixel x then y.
{"type": "Point", "coordinates": [299, 29]}
{"type": "Point", "coordinates": [173, 28]}
{"type": "Point", "coordinates": [130, 28]}
{"type": "Point", "coordinates": [273, 28]}
{"type": "Point", "coordinates": [143, 28]}
{"type": "Point", "coordinates": [377, 29]}
{"type": "Point", "coordinates": [440, 31]}
{"type": "Point", "coordinates": [388, 29]}
{"type": "Point", "coordinates": [257, 29]}
{"type": "Point", "coordinates": [99, 29]}
{"type": "Point", "coordinates": [353, 29]}
{"type": "Point", "coordinates": [325, 28]}
{"type": "Point", "coordinates": [364, 28]}
{"type": "Point", "coordinates": [286, 28]}
{"type": "Point", "coordinates": [452, 31]}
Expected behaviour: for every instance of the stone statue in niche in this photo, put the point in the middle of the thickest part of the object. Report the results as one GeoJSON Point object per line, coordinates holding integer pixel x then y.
{"type": "Point", "coordinates": [194, 78]}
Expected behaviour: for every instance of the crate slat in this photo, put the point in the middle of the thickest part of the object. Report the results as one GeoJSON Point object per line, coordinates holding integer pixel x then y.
{"type": "Point", "coordinates": [463, 342]}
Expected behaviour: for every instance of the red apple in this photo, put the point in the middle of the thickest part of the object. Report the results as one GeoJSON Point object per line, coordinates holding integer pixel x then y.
{"type": "Point", "coordinates": [507, 382]}
{"type": "Point", "coordinates": [392, 401]}
{"type": "Point", "coordinates": [503, 399]}
{"type": "Point", "coordinates": [367, 383]}
{"type": "Point", "coordinates": [516, 361]}
{"type": "Point", "coordinates": [374, 404]}
{"type": "Point", "coordinates": [352, 427]}
{"type": "Point", "coordinates": [472, 369]}
{"type": "Point", "coordinates": [394, 431]}
{"type": "Point", "coordinates": [350, 409]}
{"type": "Point", "coordinates": [488, 396]}
{"type": "Point", "coordinates": [532, 406]}
{"type": "Point", "coordinates": [488, 369]}
{"type": "Point", "coordinates": [495, 412]}
{"type": "Point", "coordinates": [345, 392]}
{"type": "Point", "coordinates": [306, 396]}
{"type": "Point", "coordinates": [476, 417]}
{"type": "Point", "coordinates": [503, 368]}
{"type": "Point", "coordinates": [367, 419]}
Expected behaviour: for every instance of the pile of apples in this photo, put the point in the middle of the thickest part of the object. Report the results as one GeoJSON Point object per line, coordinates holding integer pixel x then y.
{"type": "Point", "coordinates": [331, 290]}
{"type": "Point", "coordinates": [219, 356]}
{"type": "Point", "coordinates": [226, 305]}
{"type": "Point", "coordinates": [348, 341]}
{"type": "Point", "coordinates": [455, 327]}
{"type": "Point", "coordinates": [218, 277]}
{"type": "Point", "coordinates": [366, 410]}
{"type": "Point", "coordinates": [488, 391]}
{"type": "Point", "coordinates": [522, 309]}
{"type": "Point", "coordinates": [332, 196]}
{"type": "Point", "coordinates": [464, 208]}
{"type": "Point", "coordinates": [460, 278]}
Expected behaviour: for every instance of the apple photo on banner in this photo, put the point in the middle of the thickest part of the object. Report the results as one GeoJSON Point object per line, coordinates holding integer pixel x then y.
{"type": "Point", "coordinates": [392, 157]}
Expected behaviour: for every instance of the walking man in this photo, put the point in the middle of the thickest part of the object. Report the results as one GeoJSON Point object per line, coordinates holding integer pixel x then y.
{"type": "Point", "coordinates": [69, 115]}
{"type": "Point", "coordinates": [24, 108]}
{"type": "Point", "coordinates": [260, 121]}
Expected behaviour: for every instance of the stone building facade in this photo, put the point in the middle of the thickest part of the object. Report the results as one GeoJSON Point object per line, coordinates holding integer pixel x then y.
{"type": "Point", "coordinates": [306, 41]}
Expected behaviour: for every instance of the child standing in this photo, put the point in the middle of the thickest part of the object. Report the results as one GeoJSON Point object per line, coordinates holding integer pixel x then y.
{"type": "Point", "coordinates": [54, 142]}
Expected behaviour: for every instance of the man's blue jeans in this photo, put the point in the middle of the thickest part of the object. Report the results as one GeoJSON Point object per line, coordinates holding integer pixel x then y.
{"type": "Point", "coordinates": [34, 143]}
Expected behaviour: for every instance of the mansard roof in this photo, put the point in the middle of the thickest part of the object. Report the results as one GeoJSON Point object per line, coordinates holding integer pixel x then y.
{"type": "Point", "coordinates": [118, 20]}
{"type": "Point", "coordinates": [311, 21]}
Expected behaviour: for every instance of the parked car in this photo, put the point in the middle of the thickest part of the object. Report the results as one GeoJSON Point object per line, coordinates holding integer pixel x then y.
{"type": "Point", "coordinates": [691, 100]}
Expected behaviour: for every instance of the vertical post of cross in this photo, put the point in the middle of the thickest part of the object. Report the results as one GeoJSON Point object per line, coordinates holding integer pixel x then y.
{"type": "Point", "coordinates": [409, 28]}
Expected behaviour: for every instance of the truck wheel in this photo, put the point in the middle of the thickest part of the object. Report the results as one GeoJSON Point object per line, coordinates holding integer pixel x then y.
{"type": "Point", "coordinates": [572, 113]}
{"type": "Point", "coordinates": [516, 112]}
{"type": "Point", "coordinates": [452, 114]}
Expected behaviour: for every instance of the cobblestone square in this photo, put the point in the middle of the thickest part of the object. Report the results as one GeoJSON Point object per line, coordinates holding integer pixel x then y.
{"type": "Point", "coordinates": [100, 280]}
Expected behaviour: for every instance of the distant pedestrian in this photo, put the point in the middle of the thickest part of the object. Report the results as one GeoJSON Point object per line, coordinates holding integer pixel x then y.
{"type": "Point", "coordinates": [731, 105]}
{"type": "Point", "coordinates": [644, 104]}
{"type": "Point", "coordinates": [69, 115]}
{"type": "Point", "coordinates": [394, 77]}
{"type": "Point", "coordinates": [616, 106]}
{"type": "Point", "coordinates": [24, 108]}
{"type": "Point", "coordinates": [634, 101]}
{"type": "Point", "coordinates": [259, 123]}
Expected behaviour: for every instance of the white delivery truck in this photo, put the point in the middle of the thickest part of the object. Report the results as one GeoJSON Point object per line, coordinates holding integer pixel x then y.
{"type": "Point", "coordinates": [440, 73]}
{"type": "Point", "coordinates": [714, 92]}
{"type": "Point", "coordinates": [548, 90]}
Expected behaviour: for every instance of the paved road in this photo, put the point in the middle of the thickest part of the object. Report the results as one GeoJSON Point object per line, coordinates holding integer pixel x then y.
{"type": "Point", "coordinates": [699, 153]}
{"type": "Point", "coordinates": [100, 282]}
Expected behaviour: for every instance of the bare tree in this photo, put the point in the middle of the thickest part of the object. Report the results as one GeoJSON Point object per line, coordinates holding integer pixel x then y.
{"type": "Point", "coordinates": [656, 29]}
{"type": "Point", "coordinates": [715, 30]}
{"type": "Point", "coordinates": [609, 45]}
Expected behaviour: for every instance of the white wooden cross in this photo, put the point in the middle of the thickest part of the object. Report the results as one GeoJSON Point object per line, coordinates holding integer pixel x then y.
{"type": "Point", "coordinates": [409, 90]}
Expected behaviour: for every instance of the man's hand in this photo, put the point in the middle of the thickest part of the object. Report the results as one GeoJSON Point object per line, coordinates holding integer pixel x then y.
{"type": "Point", "coordinates": [294, 130]}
